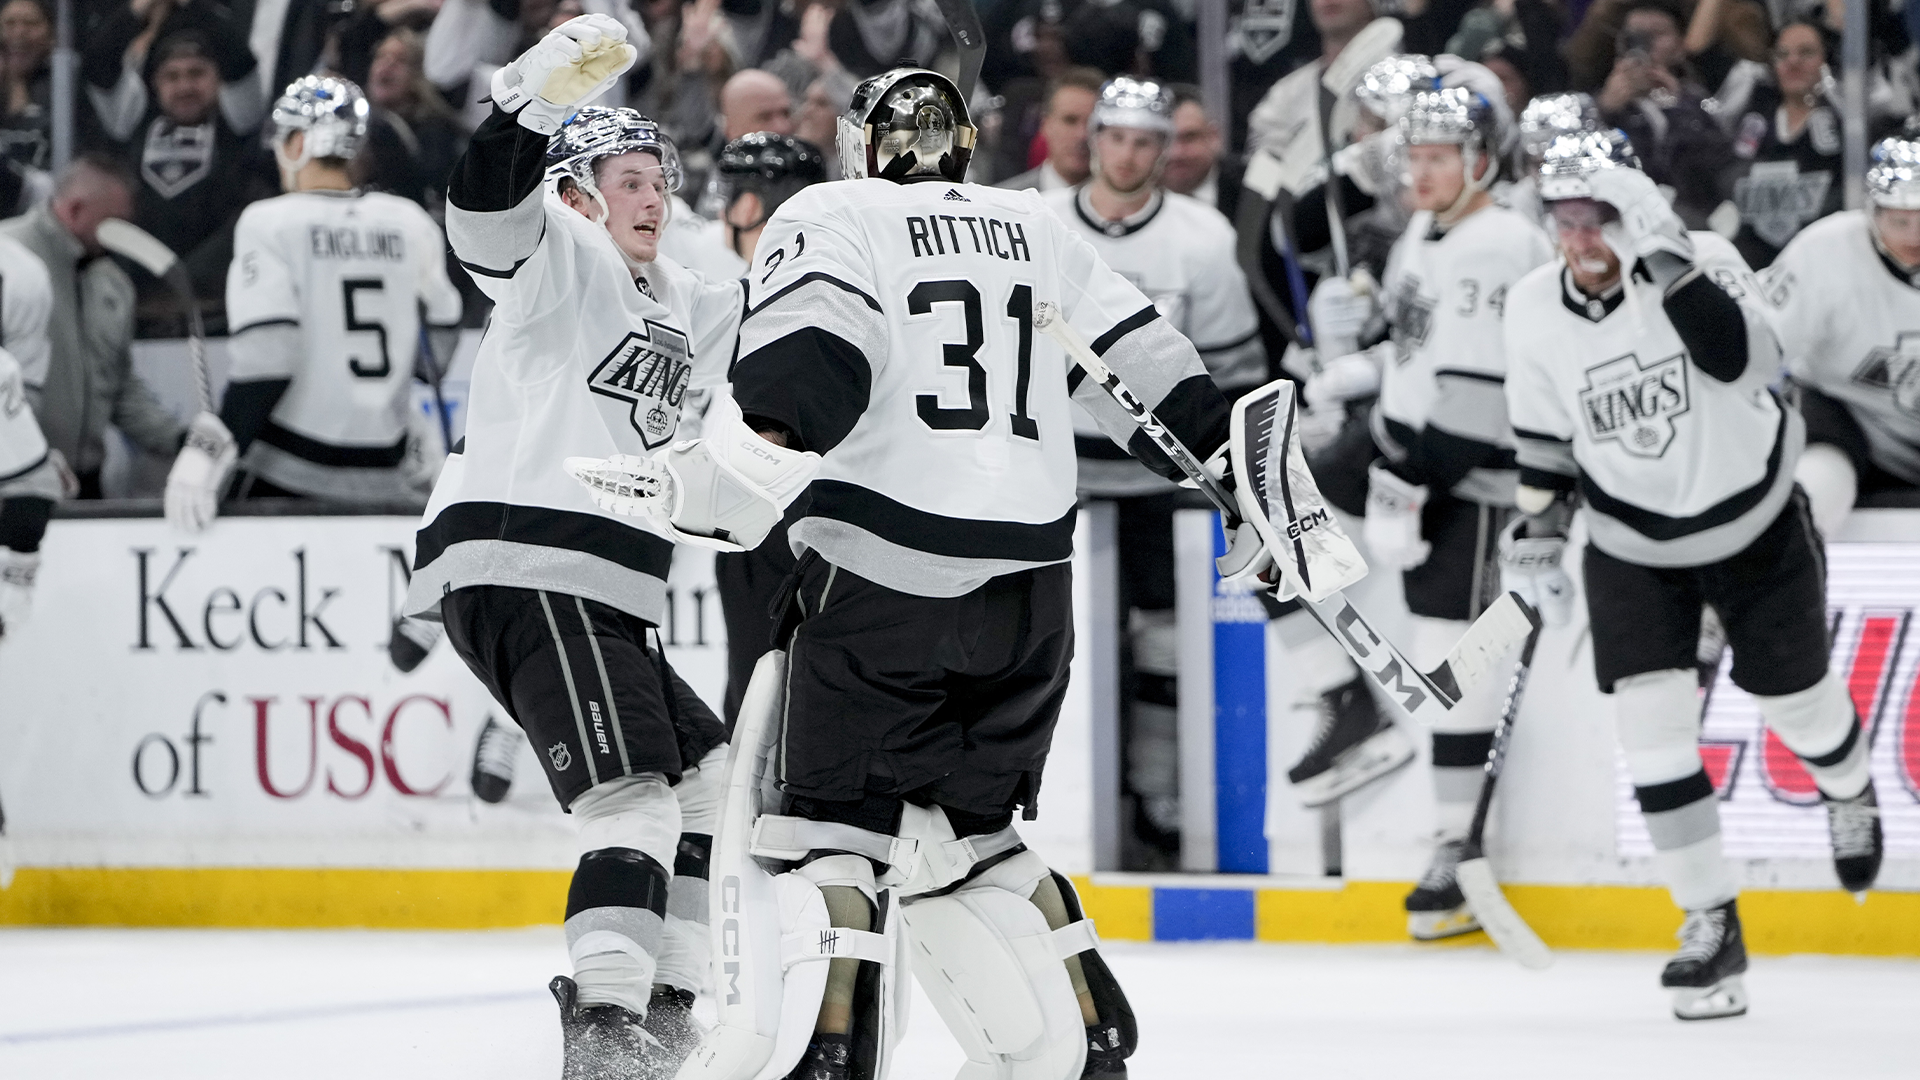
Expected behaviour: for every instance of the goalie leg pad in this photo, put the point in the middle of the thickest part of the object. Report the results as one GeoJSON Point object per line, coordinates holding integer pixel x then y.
{"type": "Point", "coordinates": [992, 967]}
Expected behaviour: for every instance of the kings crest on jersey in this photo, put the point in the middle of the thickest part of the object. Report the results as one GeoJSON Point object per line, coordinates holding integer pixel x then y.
{"type": "Point", "coordinates": [647, 374]}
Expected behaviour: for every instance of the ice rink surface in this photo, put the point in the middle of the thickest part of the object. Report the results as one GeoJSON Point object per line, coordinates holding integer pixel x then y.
{"type": "Point", "coordinates": [212, 1005]}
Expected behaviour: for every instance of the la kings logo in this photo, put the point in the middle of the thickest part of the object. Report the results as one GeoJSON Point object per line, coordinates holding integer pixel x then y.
{"type": "Point", "coordinates": [1633, 405]}
{"type": "Point", "coordinates": [1412, 317]}
{"type": "Point", "coordinates": [1895, 371]}
{"type": "Point", "coordinates": [648, 372]}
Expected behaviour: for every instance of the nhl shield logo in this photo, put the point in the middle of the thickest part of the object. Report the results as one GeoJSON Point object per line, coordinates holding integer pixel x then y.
{"type": "Point", "coordinates": [560, 756]}
{"type": "Point", "coordinates": [648, 373]}
{"type": "Point", "coordinates": [1894, 370]}
{"type": "Point", "coordinates": [1635, 406]}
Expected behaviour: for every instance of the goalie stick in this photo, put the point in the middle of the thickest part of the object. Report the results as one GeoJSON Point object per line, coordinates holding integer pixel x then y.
{"type": "Point", "coordinates": [1426, 695]}
{"type": "Point", "coordinates": [126, 239]}
{"type": "Point", "coordinates": [1475, 874]}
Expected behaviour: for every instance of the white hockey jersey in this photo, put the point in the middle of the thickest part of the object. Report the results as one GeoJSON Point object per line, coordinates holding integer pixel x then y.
{"type": "Point", "coordinates": [1445, 297]}
{"type": "Point", "coordinates": [26, 303]}
{"type": "Point", "coordinates": [1850, 327]}
{"type": "Point", "coordinates": [579, 359]}
{"type": "Point", "coordinates": [352, 273]}
{"type": "Point", "coordinates": [1180, 253]}
{"type": "Point", "coordinates": [1677, 468]}
{"type": "Point", "coordinates": [890, 328]}
{"type": "Point", "coordinates": [23, 449]}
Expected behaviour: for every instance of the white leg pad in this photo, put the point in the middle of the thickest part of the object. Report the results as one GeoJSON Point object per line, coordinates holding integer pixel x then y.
{"type": "Point", "coordinates": [991, 966]}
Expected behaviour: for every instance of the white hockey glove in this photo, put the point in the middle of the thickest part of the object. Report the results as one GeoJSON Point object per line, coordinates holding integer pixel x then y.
{"type": "Point", "coordinates": [568, 68]}
{"type": "Point", "coordinates": [1339, 311]}
{"type": "Point", "coordinates": [199, 473]}
{"type": "Point", "coordinates": [17, 572]}
{"type": "Point", "coordinates": [1344, 378]}
{"type": "Point", "coordinates": [1647, 222]}
{"type": "Point", "coordinates": [1392, 526]}
{"type": "Point", "coordinates": [1530, 566]}
{"type": "Point", "coordinates": [725, 491]}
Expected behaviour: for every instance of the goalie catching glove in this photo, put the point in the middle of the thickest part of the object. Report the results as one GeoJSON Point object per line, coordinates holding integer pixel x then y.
{"type": "Point", "coordinates": [725, 491]}
{"type": "Point", "coordinates": [576, 62]}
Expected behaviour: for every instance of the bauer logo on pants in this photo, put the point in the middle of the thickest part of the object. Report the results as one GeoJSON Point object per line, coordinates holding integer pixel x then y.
{"type": "Point", "coordinates": [648, 373]}
{"type": "Point", "coordinates": [1634, 405]}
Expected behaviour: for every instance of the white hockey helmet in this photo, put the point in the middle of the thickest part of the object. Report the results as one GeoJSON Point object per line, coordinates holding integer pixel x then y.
{"type": "Point", "coordinates": [1893, 177]}
{"type": "Point", "coordinates": [1388, 87]}
{"type": "Point", "coordinates": [1133, 103]}
{"type": "Point", "coordinates": [331, 112]}
{"type": "Point", "coordinates": [904, 123]}
{"type": "Point", "coordinates": [1551, 115]}
{"type": "Point", "coordinates": [597, 132]}
{"type": "Point", "coordinates": [1570, 161]}
{"type": "Point", "coordinates": [1464, 117]}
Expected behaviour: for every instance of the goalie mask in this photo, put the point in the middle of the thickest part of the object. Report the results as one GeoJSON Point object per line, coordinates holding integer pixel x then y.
{"type": "Point", "coordinates": [596, 132]}
{"type": "Point", "coordinates": [1570, 161]}
{"type": "Point", "coordinates": [905, 123]}
{"type": "Point", "coordinates": [330, 112]}
{"type": "Point", "coordinates": [1893, 175]}
{"type": "Point", "coordinates": [1550, 116]}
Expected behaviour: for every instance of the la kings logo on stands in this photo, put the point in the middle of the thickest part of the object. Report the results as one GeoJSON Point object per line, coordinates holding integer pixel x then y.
{"type": "Point", "coordinates": [1894, 370]}
{"type": "Point", "coordinates": [1635, 405]}
{"type": "Point", "coordinates": [648, 372]}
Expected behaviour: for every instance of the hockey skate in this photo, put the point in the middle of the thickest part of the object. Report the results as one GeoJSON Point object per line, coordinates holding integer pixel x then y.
{"type": "Point", "coordinates": [1436, 908]}
{"type": "Point", "coordinates": [1705, 975]}
{"type": "Point", "coordinates": [827, 1057]}
{"type": "Point", "coordinates": [493, 758]}
{"type": "Point", "coordinates": [1858, 842]}
{"type": "Point", "coordinates": [670, 1020]}
{"type": "Point", "coordinates": [606, 1042]}
{"type": "Point", "coordinates": [1106, 1056]}
{"type": "Point", "coordinates": [1354, 746]}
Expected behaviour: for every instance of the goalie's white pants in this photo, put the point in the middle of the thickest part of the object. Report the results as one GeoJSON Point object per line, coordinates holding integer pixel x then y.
{"type": "Point", "coordinates": [614, 945]}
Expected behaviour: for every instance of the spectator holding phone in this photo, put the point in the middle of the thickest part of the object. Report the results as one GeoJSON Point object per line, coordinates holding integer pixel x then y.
{"type": "Point", "coordinates": [1651, 94]}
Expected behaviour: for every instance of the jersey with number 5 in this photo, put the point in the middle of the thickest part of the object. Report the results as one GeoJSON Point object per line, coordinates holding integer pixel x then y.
{"type": "Point", "coordinates": [890, 328]}
{"type": "Point", "coordinates": [352, 272]}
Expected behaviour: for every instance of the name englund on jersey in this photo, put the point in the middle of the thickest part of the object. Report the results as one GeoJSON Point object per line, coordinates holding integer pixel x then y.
{"type": "Point", "coordinates": [1850, 327]}
{"type": "Point", "coordinates": [346, 275]}
{"type": "Point", "coordinates": [1677, 467]}
{"type": "Point", "coordinates": [891, 327]}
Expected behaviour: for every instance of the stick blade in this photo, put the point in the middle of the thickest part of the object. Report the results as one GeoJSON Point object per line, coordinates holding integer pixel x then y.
{"type": "Point", "coordinates": [1499, 629]}
{"type": "Point", "coordinates": [130, 240]}
{"type": "Point", "coordinates": [1503, 924]}
{"type": "Point", "coordinates": [963, 21]}
{"type": "Point", "coordinates": [1375, 42]}
{"type": "Point", "coordinates": [1277, 493]}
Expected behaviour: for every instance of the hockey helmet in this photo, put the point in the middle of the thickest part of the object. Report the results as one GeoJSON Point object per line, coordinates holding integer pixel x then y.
{"type": "Point", "coordinates": [771, 166]}
{"type": "Point", "coordinates": [1552, 115]}
{"type": "Point", "coordinates": [1893, 176]}
{"type": "Point", "coordinates": [332, 113]}
{"type": "Point", "coordinates": [1133, 103]}
{"type": "Point", "coordinates": [1387, 88]}
{"type": "Point", "coordinates": [1570, 161]}
{"type": "Point", "coordinates": [905, 123]}
{"type": "Point", "coordinates": [1463, 117]}
{"type": "Point", "coordinates": [597, 132]}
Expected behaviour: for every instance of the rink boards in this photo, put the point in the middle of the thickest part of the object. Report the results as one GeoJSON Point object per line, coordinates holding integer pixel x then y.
{"type": "Point", "coordinates": [206, 731]}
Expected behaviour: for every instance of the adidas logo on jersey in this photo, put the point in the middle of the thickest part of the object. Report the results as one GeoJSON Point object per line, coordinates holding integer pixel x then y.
{"type": "Point", "coordinates": [1635, 406]}
{"type": "Point", "coordinates": [953, 195]}
{"type": "Point", "coordinates": [648, 373]}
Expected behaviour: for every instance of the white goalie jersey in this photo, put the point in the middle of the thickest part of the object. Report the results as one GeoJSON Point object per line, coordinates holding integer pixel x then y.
{"type": "Point", "coordinates": [1446, 296]}
{"type": "Point", "coordinates": [1180, 253]}
{"type": "Point", "coordinates": [1850, 328]}
{"type": "Point", "coordinates": [1677, 467]}
{"type": "Point", "coordinates": [890, 328]}
{"type": "Point", "coordinates": [327, 289]}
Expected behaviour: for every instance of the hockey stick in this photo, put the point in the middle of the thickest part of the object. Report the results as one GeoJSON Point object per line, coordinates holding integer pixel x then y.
{"type": "Point", "coordinates": [1424, 694]}
{"type": "Point", "coordinates": [434, 375]}
{"type": "Point", "coordinates": [1475, 874]}
{"type": "Point", "coordinates": [963, 21]}
{"type": "Point", "coordinates": [131, 241]}
{"type": "Point", "coordinates": [6, 852]}
{"type": "Point", "coordinates": [1378, 40]}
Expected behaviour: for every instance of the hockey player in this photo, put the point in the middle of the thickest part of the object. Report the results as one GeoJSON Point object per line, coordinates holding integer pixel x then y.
{"type": "Point", "coordinates": [1437, 499]}
{"type": "Point", "coordinates": [1640, 366]}
{"type": "Point", "coordinates": [325, 293]}
{"type": "Point", "coordinates": [593, 346]}
{"type": "Point", "coordinates": [1180, 252]}
{"type": "Point", "coordinates": [31, 476]}
{"type": "Point", "coordinates": [891, 332]}
{"type": "Point", "coordinates": [1545, 119]}
{"type": "Point", "coordinates": [1848, 291]}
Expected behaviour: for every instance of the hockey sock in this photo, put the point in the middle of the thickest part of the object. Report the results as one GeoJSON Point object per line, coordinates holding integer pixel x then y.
{"type": "Point", "coordinates": [1314, 659]}
{"type": "Point", "coordinates": [1462, 740]}
{"type": "Point", "coordinates": [617, 905]}
{"type": "Point", "coordinates": [1046, 896]}
{"type": "Point", "coordinates": [1820, 726]}
{"type": "Point", "coordinates": [1657, 718]}
{"type": "Point", "coordinates": [1153, 737]}
{"type": "Point", "coordinates": [685, 949]}
{"type": "Point", "coordinates": [846, 906]}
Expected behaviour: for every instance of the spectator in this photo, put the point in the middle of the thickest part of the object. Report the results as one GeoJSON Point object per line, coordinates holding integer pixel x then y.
{"type": "Point", "coordinates": [356, 40]}
{"type": "Point", "coordinates": [1286, 122]}
{"type": "Point", "coordinates": [1518, 40]}
{"type": "Point", "coordinates": [118, 64]}
{"type": "Point", "coordinates": [1650, 94]}
{"type": "Point", "coordinates": [1063, 132]}
{"type": "Point", "coordinates": [469, 39]}
{"type": "Point", "coordinates": [26, 83]}
{"type": "Point", "coordinates": [198, 163]}
{"type": "Point", "coordinates": [1139, 37]}
{"type": "Point", "coordinates": [1786, 128]}
{"type": "Point", "coordinates": [1266, 41]}
{"type": "Point", "coordinates": [90, 381]}
{"type": "Point", "coordinates": [413, 136]}
{"type": "Point", "coordinates": [1718, 34]}
{"type": "Point", "coordinates": [755, 100]}
{"type": "Point", "coordinates": [1429, 23]}
{"type": "Point", "coordinates": [868, 36]}
{"type": "Point", "coordinates": [1194, 165]}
